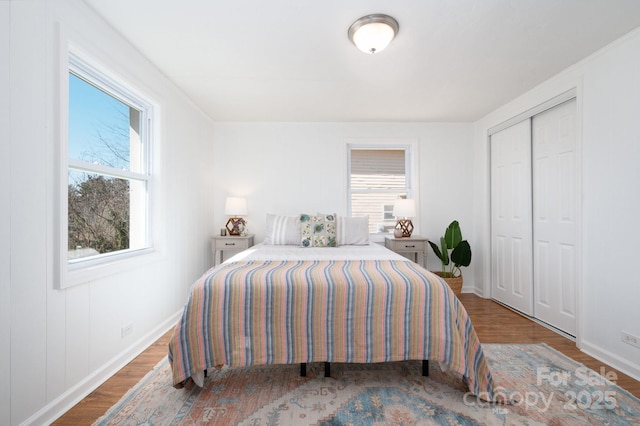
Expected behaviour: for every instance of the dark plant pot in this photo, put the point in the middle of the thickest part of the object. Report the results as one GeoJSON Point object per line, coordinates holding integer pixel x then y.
{"type": "Point", "coordinates": [454, 282]}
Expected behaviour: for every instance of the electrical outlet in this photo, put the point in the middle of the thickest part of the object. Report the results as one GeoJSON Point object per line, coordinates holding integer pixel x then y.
{"type": "Point", "coordinates": [126, 330]}
{"type": "Point", "coordinates": [630, 339]}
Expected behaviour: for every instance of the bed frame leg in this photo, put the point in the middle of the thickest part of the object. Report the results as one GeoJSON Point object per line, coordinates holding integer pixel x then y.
{"type": "Point", "coordinates": [425, 367]}
{"type": "Point", "coordinates": [205, 373]}
{"type": "Point", "coordinates": [303, 369]}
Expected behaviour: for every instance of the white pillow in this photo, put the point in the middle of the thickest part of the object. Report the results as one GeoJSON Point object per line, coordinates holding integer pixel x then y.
{"type": "Point", "coordinates": [353, 231]}
{"type": "Point", "coordinates": [282, 230]}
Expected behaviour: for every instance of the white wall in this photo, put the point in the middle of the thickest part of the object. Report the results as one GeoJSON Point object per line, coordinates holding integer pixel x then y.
{"type": "Point", "coordinates": [59, 344]}
{"type": "Point", "coordinates": [5, 199]}
{"type": "Point", "coordinates": [291, 168]}
{"type": "Point", "coordinates": [608, 88]}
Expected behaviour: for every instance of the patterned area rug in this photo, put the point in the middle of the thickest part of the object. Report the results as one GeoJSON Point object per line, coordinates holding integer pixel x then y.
{"type": "Point", "coordinates": [547, 389]}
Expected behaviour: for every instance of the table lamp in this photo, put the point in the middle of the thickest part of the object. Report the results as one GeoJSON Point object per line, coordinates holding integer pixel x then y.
{"type": "Point", "coordinates": [403, 209]}
{"type": "Point", "coordinates": [235, 207]}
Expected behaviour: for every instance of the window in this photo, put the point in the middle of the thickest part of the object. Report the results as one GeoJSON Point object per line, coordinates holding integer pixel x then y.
{"type": "Point", "coordinates": [378, 175]}
{"type": "Point", "coordinates": [108, 175]}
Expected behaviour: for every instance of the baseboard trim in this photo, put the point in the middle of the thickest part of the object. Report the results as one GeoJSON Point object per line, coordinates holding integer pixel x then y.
{"type": "Point", "coordinates": [472, 290]}
{"type": "Point", "coordinates": [56, 408]}
{"type": "Point", "coordinates": [620, 364]}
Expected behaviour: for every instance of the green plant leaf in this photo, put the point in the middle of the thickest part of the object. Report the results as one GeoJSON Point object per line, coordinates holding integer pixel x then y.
{"type": "Point", "coordinates": [436, 250]}
{"type": "Point", "coordinates": [445, 251]}
{"type": "Point", "coordinates": [453, 235]}
{"type": "Point", "coordinates": [461, 255]}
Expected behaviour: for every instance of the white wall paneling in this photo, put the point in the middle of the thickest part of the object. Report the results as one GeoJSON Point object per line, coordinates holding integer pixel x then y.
{"type": "Point", "coordinates": [28, 248]}
{"type": "Point", "coordinates": [5, 214]}
{"type": "Point", "coordinates": [57, 345]}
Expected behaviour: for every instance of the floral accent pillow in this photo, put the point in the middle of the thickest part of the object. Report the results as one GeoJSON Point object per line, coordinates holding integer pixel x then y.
{"type": "Point", "coordinates": [318, 230]}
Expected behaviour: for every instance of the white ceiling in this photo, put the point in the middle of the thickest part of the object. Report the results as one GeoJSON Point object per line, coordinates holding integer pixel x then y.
{"type": "Point", "coordinates": [291, 60]}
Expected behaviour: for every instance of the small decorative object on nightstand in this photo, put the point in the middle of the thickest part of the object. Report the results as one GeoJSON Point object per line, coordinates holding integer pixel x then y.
{"type": "Point", "coordinates": [414, 244]}
{"type": "Point", "coordinates": [221, 244]}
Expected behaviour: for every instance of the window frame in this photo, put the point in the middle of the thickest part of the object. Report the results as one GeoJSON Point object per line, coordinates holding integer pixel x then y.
{"type": "Point", "coordinates": [410, 146]}
{"type": "Point", "coordinates": [79, 271]}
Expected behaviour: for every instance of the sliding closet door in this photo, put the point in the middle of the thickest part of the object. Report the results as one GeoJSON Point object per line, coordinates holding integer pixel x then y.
{"type": "Point", "coordinates": [555, 216]}
{"type": "Point", "coordinates": [511, 223]}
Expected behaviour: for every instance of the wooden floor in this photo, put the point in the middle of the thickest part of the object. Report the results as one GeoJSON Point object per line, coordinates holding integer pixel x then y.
{"type": "Point", "coordinates": [493, 323]}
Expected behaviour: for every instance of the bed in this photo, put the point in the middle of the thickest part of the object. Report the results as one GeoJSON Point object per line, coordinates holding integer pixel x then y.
{"type": "Point", "coordinates": [286, 304]}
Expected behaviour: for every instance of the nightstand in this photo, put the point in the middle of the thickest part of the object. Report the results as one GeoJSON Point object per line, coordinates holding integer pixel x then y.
{"type": "Point", "coordinates": [414, 244]}
{"type": "Point", "coordinates": [227, 243]}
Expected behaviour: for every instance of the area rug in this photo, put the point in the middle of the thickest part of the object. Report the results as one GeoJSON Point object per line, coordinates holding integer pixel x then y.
{"type": "Point", "coordinates": [545, 387]}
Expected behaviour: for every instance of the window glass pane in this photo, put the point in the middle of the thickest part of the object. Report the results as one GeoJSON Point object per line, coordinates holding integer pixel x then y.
{"type": "Point", "coordinates": [379, 208]}
{"type": "Point", "coordinates": [378, 178]}
{"type": "Point", "coordinates": [102, 129]}
{"type": "Point", "coordinates": [378, 169]}
{"type": "Point", "coordinates": [99, 214]}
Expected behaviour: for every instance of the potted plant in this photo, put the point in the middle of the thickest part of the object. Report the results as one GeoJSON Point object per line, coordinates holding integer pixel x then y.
{"type": "Point", "coordinates": [454, 252]}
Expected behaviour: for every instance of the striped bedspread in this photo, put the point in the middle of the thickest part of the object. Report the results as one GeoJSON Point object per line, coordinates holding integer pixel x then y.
{"type": "Point", "coordinates": [364, 311]}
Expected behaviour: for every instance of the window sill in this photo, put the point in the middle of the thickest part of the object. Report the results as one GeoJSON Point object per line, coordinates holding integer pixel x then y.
{"type": "Point", "coordinates": [80, 272]}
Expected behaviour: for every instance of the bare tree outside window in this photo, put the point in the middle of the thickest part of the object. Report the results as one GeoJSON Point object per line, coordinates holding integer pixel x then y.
{"type": "Point", "coordinates": [98, 213]}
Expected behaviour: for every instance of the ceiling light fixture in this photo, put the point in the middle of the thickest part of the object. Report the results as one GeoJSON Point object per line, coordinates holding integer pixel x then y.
{"type": "Point", "coordinates": [372, 33]}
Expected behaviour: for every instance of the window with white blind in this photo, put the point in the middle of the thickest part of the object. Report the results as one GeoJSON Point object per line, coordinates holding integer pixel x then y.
{"type": "Point", "coordinates": [378, 175]}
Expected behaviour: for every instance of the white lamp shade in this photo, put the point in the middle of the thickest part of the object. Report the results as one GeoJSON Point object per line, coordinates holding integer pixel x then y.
{"type": "Point", "coordinates": [235, 206]}
{"type": "Point", "coordinates": [404, 208]}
